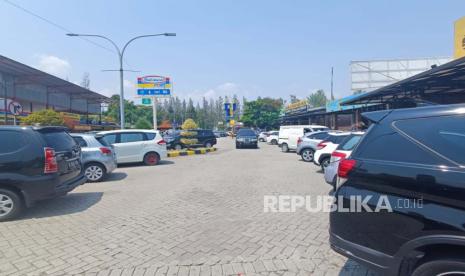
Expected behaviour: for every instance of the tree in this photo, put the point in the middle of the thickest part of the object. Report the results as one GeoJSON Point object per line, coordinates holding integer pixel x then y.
{"type": "Point", "coordinates": [143, 123]}
{"type": "Point", "coordinates": [85, 81]}
{"type": "Point", "coordinates": [317, 99]}
{"type": "Point", "coordinates": [262, 113]}
{"type": "Point", "coordinates": [45, 117]}
{"type": "Point", "coordinates": [293, 98]}
{"type": "Point", "coordinates": [189, 124]}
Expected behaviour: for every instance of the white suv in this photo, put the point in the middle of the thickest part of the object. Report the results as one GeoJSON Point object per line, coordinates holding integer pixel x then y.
{"type": "Point", "coordinates": [136, 145]}
{"type": "Point", "coordinates": [324, 149]}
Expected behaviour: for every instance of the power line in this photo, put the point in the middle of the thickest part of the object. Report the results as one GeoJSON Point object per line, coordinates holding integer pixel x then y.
{"type": "Point", "coordinates": [54, 24]}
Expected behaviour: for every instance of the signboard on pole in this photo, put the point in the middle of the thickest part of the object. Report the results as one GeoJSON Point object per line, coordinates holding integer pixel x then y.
{"type": "Point", "coordinates": [154, 86]}
{"type": "Point", "coordinates": [146, 101]}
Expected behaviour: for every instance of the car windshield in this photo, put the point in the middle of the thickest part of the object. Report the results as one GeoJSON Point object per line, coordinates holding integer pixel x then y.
{"type": "Point", "coordinates": [246, 132]}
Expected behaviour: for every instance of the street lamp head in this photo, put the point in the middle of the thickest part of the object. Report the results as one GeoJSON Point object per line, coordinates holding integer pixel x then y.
{"type": "Point", "coordinates": [170, 34]}
{"type": "Point", "coordinates": [71, 34]}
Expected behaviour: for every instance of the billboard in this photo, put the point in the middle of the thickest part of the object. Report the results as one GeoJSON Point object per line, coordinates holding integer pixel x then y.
{"type": "Point", "coordinates": [459, 38]}
{"type": "Point", "coordinates": [369, 75]}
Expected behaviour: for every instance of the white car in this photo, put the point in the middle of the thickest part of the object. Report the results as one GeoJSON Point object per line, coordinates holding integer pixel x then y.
{"type": "Point", "coordinates": [136, 145]}
{"type": "Point", "coordinates": [272, 137]}
{"type": "Point", "coordinates": [289, 135]}
{"type": "Point", "coordinates": [262, 136]}
{"type": "Point", "coordinates": [343, 151]}
{"type": "Point", "coordinates": [325, 148]}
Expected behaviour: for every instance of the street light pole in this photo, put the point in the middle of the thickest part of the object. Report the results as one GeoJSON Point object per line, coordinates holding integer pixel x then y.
{"type": "Point", "coordinates": [121, 70]}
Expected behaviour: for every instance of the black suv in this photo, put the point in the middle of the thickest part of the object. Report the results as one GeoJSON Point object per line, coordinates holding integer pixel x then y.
{"type": "Point", "coordinates": [414, 158]}
{"type": "Point", "coordinates": [196, 138]}
{"type": "Point", "coordinates": [35, 164]}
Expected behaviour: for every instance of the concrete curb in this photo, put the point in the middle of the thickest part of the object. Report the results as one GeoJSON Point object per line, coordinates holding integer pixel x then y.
{"type": "Point", "coordinates": [175, 153]}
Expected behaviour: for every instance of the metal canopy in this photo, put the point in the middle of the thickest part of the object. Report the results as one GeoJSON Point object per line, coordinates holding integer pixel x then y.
{"type": "Point", "coordinates": [442, 85]}
{"type": "Point", "coordinates": [27, 75]}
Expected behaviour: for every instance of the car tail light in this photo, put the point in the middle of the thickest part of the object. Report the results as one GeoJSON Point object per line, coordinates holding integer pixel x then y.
{"type": "Point", "coordinates": [161, 142]}
{"type": "Point", "coordinates": [345, 166]}
{"type": "Point", "coordinates": [299, 140]}
{"type": "Point", "coordinates": [337, 156]}
{"type": "Point", "coordinates": [50, 164]}
{"type": "Point", "coordinates": [321, 145]}
{"type": "Point", "coordinates": [105, 151]}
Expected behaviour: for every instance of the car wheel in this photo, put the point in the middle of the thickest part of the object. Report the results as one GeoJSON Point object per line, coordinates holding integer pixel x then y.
{"type": "Point", "coordinates": [208, 145]}
{"type": "Point", "coordinates": [237, 146]}
{"type": "Point", "coordinates": [151, 159]}
{"type": "Point", "coordinates": [94, 172]}
{"type": "Point", "coordinates": [274, 142]}
{"type": "Point", "coordinates": [11, 204]}
{"type": "Point", "coordinates": [177, 147]}
{"type": "Point", "coordinates": [324, 163]}
{"type": "Point", "coordinates": [441, 267]}
{"type": "Point", "coordinates": [284, 148]}
{"type": "Point", "coordinates": [307, 155]}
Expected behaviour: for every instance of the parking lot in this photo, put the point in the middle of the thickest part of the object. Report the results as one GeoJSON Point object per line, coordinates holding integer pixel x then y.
{"type": "Point", "coordinates": [194, 215]}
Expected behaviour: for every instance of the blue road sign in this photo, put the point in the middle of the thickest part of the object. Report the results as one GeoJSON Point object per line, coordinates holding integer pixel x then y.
{"type": "Point", "coordinates": [153, 92]}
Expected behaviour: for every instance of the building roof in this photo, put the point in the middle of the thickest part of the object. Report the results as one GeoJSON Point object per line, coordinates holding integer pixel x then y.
{"type": "Point", "coordinates": [443, 84]}
{"type": "Point", "coordinates": [27, 75]}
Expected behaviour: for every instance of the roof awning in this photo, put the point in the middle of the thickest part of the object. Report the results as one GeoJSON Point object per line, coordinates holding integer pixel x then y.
{"type": "Point", "coordinates": [27, 75]}
{"type": "Point", "coordinates": [443, 84]}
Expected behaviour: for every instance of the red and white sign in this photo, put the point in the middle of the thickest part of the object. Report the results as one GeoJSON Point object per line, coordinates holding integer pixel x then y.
{"type": "Point", "coordinates": [15, 108]}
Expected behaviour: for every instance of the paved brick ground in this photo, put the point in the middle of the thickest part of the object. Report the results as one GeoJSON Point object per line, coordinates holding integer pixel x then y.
{"type": "Point", "coordinates": [195, 215]}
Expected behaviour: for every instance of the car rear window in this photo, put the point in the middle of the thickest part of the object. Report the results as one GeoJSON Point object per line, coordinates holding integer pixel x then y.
{"type": "Point", "coordinates": [350, 142]}
{"type": "Point", "coordinates": [58, 140]}
{"type": "Point", "coordinates": [11, 141]}
{"type": "Point", "coordinates": [444, 135]}
{"type": "Point", "coordinates": [80, 141]}
{"type": "Point", "coordinates": [150, 135]}
{"type": "Point", "coordinates": [336, 139]}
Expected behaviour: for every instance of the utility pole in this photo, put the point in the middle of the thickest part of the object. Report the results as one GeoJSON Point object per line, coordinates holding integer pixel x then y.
{"type": "Point", "coordinates": [332, 76]}
{"type": "Point", "coordinates": [154, 106]}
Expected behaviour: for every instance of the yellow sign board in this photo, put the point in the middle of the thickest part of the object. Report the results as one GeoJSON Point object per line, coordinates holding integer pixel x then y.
{"type": "Point", "coordinates": [232, 122]}
{"type": "Point", "coordinates": [459, 38]}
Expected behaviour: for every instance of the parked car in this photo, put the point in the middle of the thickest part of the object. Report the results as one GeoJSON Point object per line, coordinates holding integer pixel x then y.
{"type": "Point", "coordinates": [273, 137]}
{"type": "Point", "coordinates": [289, 135]}
{"type": "Point", "coordinates": [414, 159]}
{"type": "Point", "coordinates": [136, 145]}
{"type": "Point", "coordinates": [197, 138]}
{"type": "Point", "coordinates": [36, 163]}
{"type": "Point", "coordinates": [262, 136]}
{"type": "Point", "coordinates": [220, 134]}
{"type": "Point", "coordinates": [306, 146]}
{"type": "Point", "coordinates": [98, 158]}
{"type": "Point", "coordinates": [325, 148]}
{"type": "Point", "coordinates": [342, 151]}
{"type": "Point", "coordinates": [246, 138]}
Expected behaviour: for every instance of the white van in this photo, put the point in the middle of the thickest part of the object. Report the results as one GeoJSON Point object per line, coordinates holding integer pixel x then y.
{"type": "Point", "coordinates": [289, 135]}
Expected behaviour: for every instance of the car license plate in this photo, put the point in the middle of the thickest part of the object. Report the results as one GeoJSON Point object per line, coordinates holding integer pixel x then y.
{"type": "Point", "coordinates": [74, 165]}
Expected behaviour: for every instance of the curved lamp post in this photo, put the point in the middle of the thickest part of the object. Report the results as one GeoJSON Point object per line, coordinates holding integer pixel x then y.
{"type": "Point", "coordinates": [120, 56]}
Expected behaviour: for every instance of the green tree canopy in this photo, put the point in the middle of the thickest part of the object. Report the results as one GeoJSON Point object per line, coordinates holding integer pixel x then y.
{"type": "Point", "coordinates": [45, 117]}
{"type": "Point", "coordinates": [143, 123]}
{"type": "Point", "coordinates": [262, 113]}
{"type": "Point", "coordinates": [317, 99]}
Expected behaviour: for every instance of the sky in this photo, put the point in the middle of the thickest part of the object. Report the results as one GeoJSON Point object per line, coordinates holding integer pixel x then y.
{"type": "Point", "coordinates": [225, 47]}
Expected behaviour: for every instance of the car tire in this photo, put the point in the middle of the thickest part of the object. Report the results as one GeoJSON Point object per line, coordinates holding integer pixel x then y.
{"type": "Point", "coordinates": [440, 267]}
{"type": "Point", "coordinates": [274, 142]}
{"type": "Point", "coordinates": [208, 145]}
{"type": "Point", "coordinates": [11, 204]}
{"type": "Point", "coordinates": [177, 147]}
{"type": "Point", "coordinates": [324, 163]}
{"type": "Point", "coordinates": [307, 155]}
{"type": "Point", "coordinates": [95, 172]}
{"type": "Point", "coordinates": [151, 159]}
{"type": "Point", "coordinates": [237, 146]}
{"type": "Point", "coordinates": [284, 147]}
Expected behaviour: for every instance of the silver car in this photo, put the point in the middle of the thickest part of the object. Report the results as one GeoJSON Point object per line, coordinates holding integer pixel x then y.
{"type": "Point", "coordinates": [98, 158]}
{"type": "Point", "coordinates": [306, 145]}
